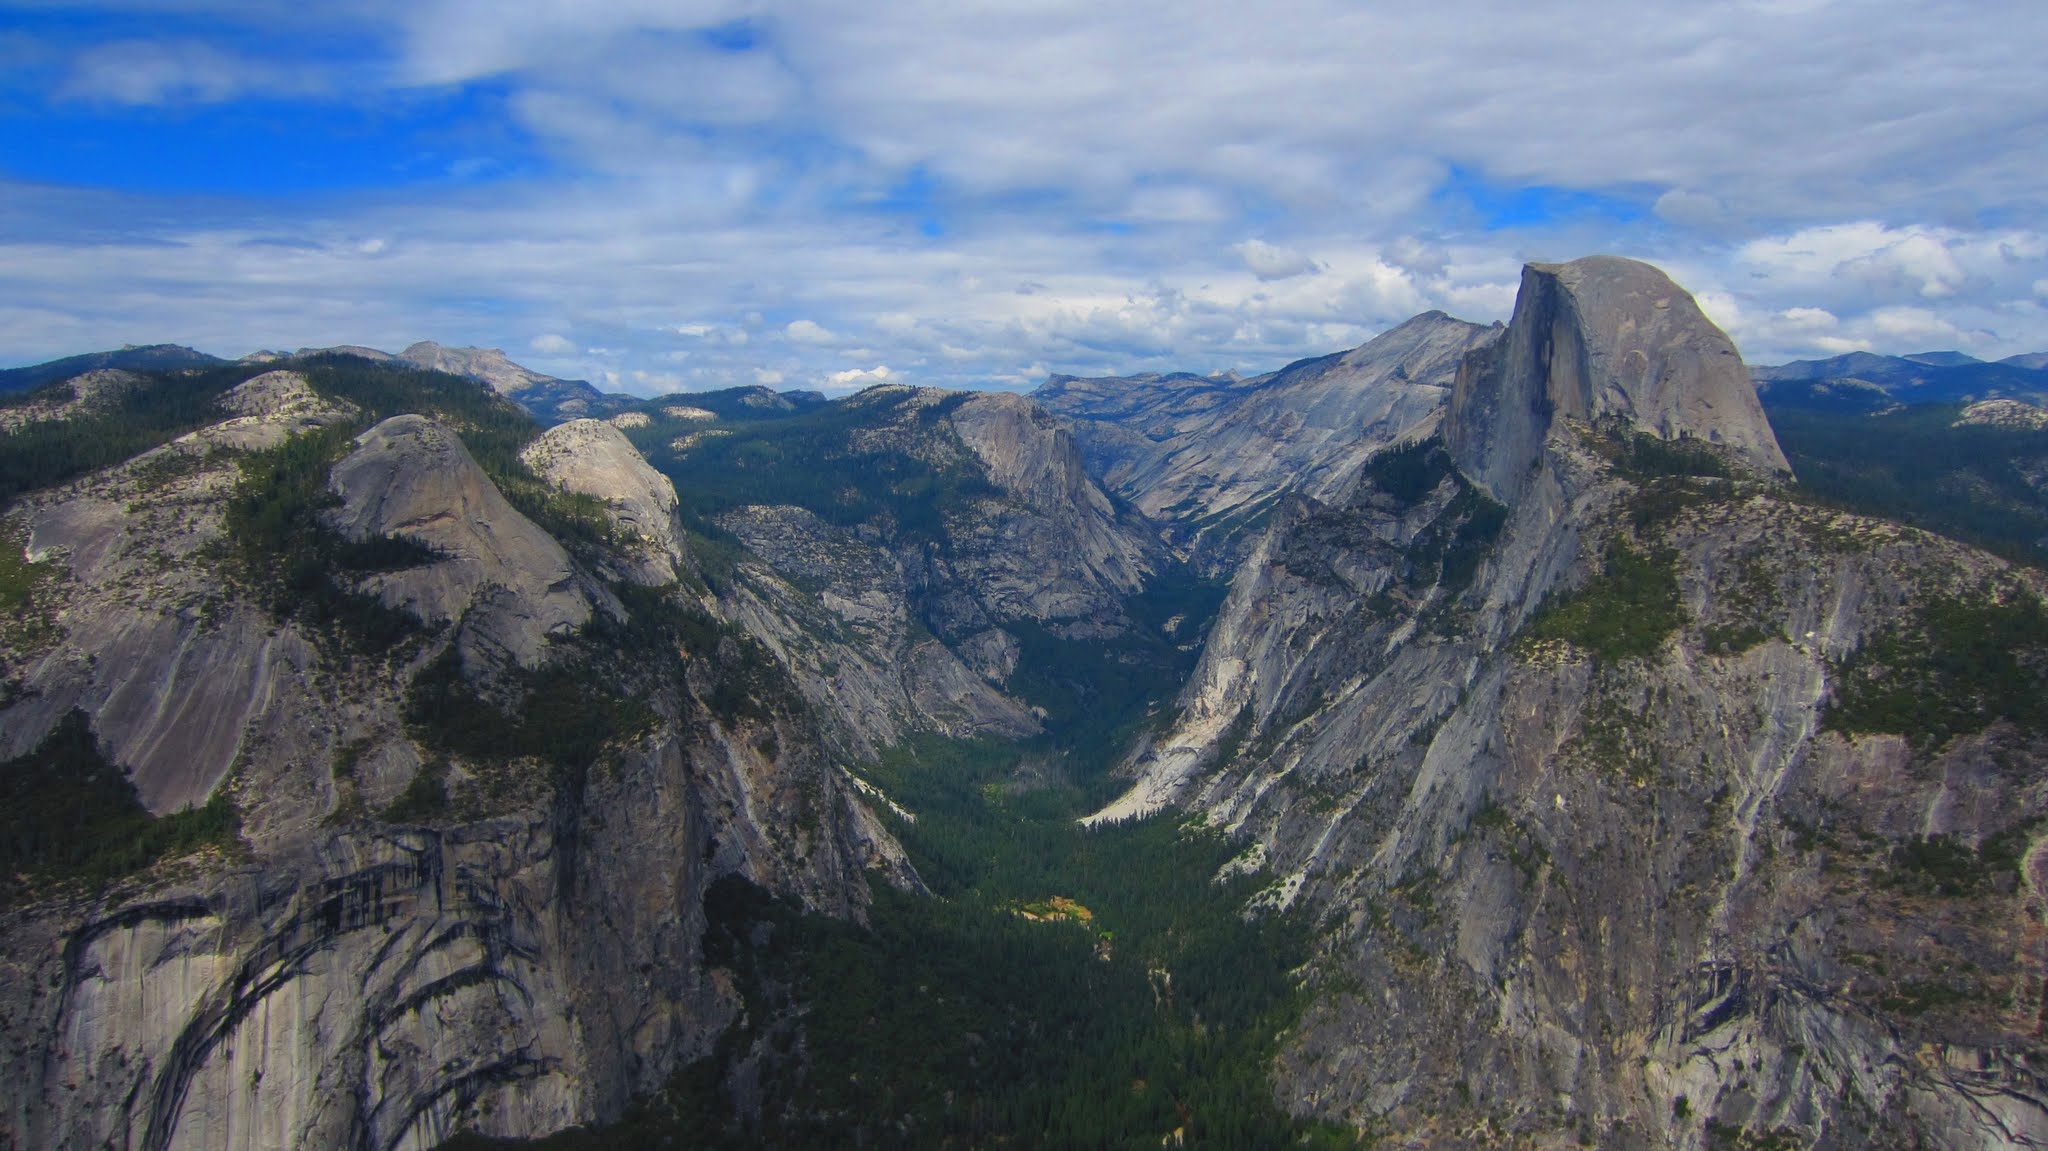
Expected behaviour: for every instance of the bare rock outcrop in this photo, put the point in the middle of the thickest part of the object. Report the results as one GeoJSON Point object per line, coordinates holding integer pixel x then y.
{"type": "Point", "coordinates": [267, 410]}
{"type": "Point", "coordinates": [81, 393]}
{"type": "Point", "coordinates": [1056, 547]}
{"type": "Point", "coordinates": [179, 677]}
{"type": "Point", "coordinates": [485, 365]}
{"type": "Point", "coordinates": [413, 478]}
{"type": "Point", "coordinates": [836, 609]}
{"type": "Point", "coordinates": [2004, 414]}
{"type": "Point", "coordinates": [595, 458]}
{"type": "Point", "coordinates": [1601, 336]}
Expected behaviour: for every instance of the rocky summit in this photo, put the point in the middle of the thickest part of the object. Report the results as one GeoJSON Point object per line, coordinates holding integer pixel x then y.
{"type": "Point", "coordinates": [1601, 337]}
{"type": "Point", "coordinates": [1484, 737]}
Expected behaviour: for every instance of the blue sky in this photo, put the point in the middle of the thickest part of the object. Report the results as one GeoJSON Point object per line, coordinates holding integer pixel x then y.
{"type": "Point", "coordinates": [680, 194]}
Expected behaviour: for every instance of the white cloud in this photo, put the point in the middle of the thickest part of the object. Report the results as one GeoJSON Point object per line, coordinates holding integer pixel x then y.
{"type": "Point", "coordinates": [552, 344]}
{"type": "Point", "coordinates": [1271, 262]}
{"type": "Point", "coordinates": [1887, 262]}
{"type": "Point", "coordinates": [807, 332]}
{"type": "Point", "coordinates": [767, 378]}
{"type": "Point", "coordinates": [1691, 209]}
{"type": "Point", "coordinates": [856, 378]}
{"type": "Point", "coordinates": [1907, 325]}
{"type": "Point", "coordinates": [655, 383]}
{"type": "Point", "coordinates": [1093, 173]}
{"type": "Point", "coordinates": [1812, 318]}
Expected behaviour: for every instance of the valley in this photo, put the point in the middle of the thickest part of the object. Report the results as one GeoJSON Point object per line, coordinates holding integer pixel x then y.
{"type": "Point", "coordinates": [1520, 735]}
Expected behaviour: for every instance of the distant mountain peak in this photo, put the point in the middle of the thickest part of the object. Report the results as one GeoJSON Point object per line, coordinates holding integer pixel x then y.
{"type": "Point", "coordinates": [1943, 359]}
{"type": "Point", "coordinates": [128, 358]}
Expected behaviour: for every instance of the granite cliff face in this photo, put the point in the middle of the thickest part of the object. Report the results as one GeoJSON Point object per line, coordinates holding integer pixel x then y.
{"type": "Point", "coordinates": [419, 926]}
{"type": "Point", "coordinates": [177, 676]}
{"type": "Point", "coordinates": [495, 570]}
{"type": "Point", "coordinates": [1596, 338]}
{"type": "Point", "coordinates": [1208, 455]}
{"type": "Point", "coordinates": [1615, 846]}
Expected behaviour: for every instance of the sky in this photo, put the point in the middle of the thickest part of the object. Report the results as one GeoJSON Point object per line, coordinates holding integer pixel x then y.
{"type": "Point", "coordinates": [673, 195]}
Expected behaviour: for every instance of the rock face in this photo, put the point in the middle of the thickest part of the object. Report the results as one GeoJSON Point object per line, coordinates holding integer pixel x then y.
{"type": "Point", "coordinates": [1210, 453]}
{"type": "Point", "coordinates": [1619, 894]}
{"type": "Point", "coordinates": [178, 679]}
{"type": "Point", "coordinates": [1054, 547]}
{"type": "Point", "coordinates": [412, 478]}
{"type": "Point", "coordinates": [524, 957]}
{"type": "Point", "coordinates": [1600, 337]}
{"type": "Point", "coordinates": [594, 458]}
{"type": "Point", "coordinates": [839, 610]}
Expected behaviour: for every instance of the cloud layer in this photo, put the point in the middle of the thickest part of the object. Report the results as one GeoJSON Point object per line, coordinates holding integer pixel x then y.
{"type": "Point", "coordinates": [817, 193]}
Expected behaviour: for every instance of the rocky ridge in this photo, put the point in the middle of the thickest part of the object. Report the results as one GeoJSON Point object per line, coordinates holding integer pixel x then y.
{"type": "Point", "coordinates": [1211, 454]}
{"type": "Point", "coordinates": [493, 569]}
{"type": "Point", "coordinates": [595, 459]}
{"type": "Point", "coordinates": [549, 399]}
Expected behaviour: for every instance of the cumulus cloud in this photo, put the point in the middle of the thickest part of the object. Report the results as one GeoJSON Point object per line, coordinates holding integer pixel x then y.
{"type": "Point", "coordinates": [854, 379]}
{"type": "Point", "coordinates": [552, 345]}
{"type": "Point", "coordinates": [1691, 209]}
{"type": "Point", "coordinates": [1272, 262]}
{"type": "Point", "coordinates": [1931, 262]}
{"type": "Point", "coordinates": [978, 192]}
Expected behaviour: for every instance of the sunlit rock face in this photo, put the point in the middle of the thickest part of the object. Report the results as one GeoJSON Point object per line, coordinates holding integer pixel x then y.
{"type": "Point", "coordinates": [1601, 337]}
{"type": "Point", "coordinates": [412, 478]}
{"type": "Point", "coordinates": [594, 458]}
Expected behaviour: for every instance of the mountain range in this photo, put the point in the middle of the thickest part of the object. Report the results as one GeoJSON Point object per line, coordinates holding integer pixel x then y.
{"type": "Point", "coordinates": [1861, 381]}
{"type": "Point", "coordinates": [1492, 735]}
{"type": "Point", "coordinates": [545, 397]}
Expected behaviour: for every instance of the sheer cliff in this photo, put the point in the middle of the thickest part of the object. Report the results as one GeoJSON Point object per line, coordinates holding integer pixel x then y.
{"type": "Point", "coordinates": [1601, 337]}
{"type": "Point", "coordinates": [1647, 804]}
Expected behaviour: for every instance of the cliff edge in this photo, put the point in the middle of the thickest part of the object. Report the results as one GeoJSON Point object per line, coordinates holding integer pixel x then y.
{"type": "Point", "coordinates": [1601, 336]}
